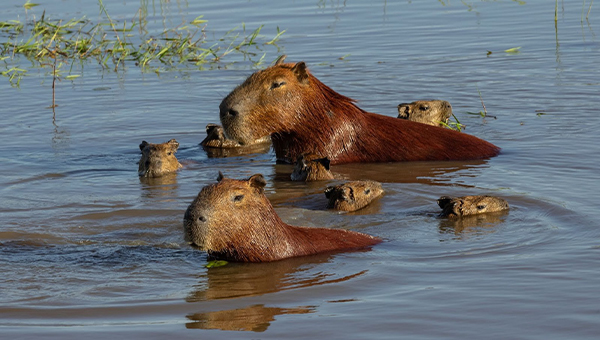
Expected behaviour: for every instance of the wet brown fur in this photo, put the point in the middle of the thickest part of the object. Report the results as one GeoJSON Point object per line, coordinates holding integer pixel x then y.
{"type": "Point", "coordinates": [158, 159]}
{"type": "Point", "coordinates": [470, 205]}
{"type": "Point", "coordinates": [352, 196]}
{"type": "Point", "coordinates": [233, 220]}
{"type": "Point", "coordinates": [311, 167]}
{"type": "Point", "coordinates": [304, 115]}
{"type": "Point", "coordinates": [432, 112]}
{"type": "Point", "coordinates": [215, 138]}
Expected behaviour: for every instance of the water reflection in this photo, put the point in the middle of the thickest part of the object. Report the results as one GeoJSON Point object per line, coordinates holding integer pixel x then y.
{"type": "Point", "coordinates": [157, 187]}
{"type": "Point", "coordinates": [472, 225]}
{"type": "Point", "coordinates": [250, 279]}
{"type": "Point", "coordinates": [255, 318]}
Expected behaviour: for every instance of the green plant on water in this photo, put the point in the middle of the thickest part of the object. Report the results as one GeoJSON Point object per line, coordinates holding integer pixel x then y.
{"type": "Point", "coordinates": [215, 264]}
{"type": "Point", "coordinates": [455, 125]}
{"type": "Point", "coordinates": [116, 45]}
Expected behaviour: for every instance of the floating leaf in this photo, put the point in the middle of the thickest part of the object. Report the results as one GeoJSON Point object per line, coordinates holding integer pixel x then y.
{"type": "Point", "coordinates": [513, 50]}
{"type": "Point", "coordinates": [29, 5]}
{"type": "Point", "coordinates": [72, 76]}
{"type": "Point", "coordinates": [215, 264]}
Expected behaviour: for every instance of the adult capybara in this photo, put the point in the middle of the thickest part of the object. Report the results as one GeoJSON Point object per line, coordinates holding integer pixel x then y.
{"type": "Point", "coordinates": [470, 205]}
{"type": "Point", "coordinates": [432, 112]}
{"type": "Point", "coordinates": [158, 159]}
{"type": "Point", "coordinates": [352, 196]}
{"type": "Point", "coordinates": [215, 138]}
{"type": "Point", "coordinates": [311, 167]}
{"type": "Point", "coordinates": [304, 115]}
{"type": "Point", "coordinates": [233, 220]}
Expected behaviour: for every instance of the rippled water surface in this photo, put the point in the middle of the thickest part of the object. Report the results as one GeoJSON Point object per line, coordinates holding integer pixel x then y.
{"type": "Point", "coordinates": [89, 249]}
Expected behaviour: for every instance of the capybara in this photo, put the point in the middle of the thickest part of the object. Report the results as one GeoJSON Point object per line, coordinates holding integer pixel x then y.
{"type": "Point", "coordinates": [215, 138]}
{"type": "Point", "coordinates": [304, 115]}
{"type": "Point", "coordinates": [352, 196]}
{"type": "Point", "coordinates": [158, 159]}
{"type": "Point", "coordinates": [233, 220]}
{"type": "Point", "coordinates": [470, 205]}
{"type": "Point", "coordinates": [432, 112]}
{"type": "Point", "coordinates": [311, 167]}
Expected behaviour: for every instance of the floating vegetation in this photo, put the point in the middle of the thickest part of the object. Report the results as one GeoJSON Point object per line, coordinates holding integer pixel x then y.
{"type": "Point", "coordinates": [114, 45]}
{"type": "Point", "coordinates": [455, 125]}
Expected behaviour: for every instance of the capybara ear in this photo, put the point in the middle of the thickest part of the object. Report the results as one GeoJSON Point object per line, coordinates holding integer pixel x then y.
{"type": "Point", "coordinates": [210, 127]}
{"type": "Point", "coordinates": [301, 73]}
{"type": "Point", "coordinates": [173, 144]}
{"type": "Point", "coordinates": [403, 111]}
{"type": "Point", "coordinates": [257, 181]}
{"type": "Point", "coordinates": [325, 162]}
{"type": "Point", "coordinates": [280, 60]}
{"type": "Point", "coordinates": [143, 145]}
{"type": "Point", "coordinates": [443, 201]}
{"type": "Point", "coordinates": [328, 192]}
{"type": "Point", "coordinates": [220, 177]}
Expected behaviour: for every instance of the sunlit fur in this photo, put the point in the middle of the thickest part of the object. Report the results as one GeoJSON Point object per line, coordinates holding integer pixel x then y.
{"type": "Point", "coordinates": [470, 205]}
{"type": "Point", "coordinates": [352, 196]}
{"type": "Point", "coordinates": [310, 168]}
{"type": "Point", "coordinates": [432, 112]}
{"type": "Point", "coordinates": [158, 159]}
{"type": "Point", "coordinates": [233, 220]}
{"type": "Point", "coordinates": [303, 115]}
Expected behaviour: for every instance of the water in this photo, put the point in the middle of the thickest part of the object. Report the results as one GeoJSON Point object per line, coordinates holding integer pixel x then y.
{"type": "Point", "coordinates": [89, 249]}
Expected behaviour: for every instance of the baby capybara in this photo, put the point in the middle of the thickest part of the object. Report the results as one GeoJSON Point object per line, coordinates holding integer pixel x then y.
{"type": "Point", "coordinates": [352, 196]}
{"type": "Point", "coordinates": [233, 220]}
{"type": "Point", "coordinates": [311, 167]}
{"type": "Point", "coordinates": [432, 112]}
{"type": "Point", "coordinates": [215, 138]}
{"type": "Point", "coordinates": [470, 205]}
{"type": "Point", "coordinates": [158, 159]}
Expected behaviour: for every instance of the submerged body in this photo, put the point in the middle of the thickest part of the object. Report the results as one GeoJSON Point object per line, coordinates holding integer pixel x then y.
{"type": "Point", "coordinates": [431, 112]}
{"type": "Point", "coordinates": [352, 196]}
{"type": "Point", "coordinates": [158, 159]}
{"type": "Point", "coordinates": [303, 115]}
{"type": "Point", "coordinates": [470, 205]}
{"type": "Point", "coordinates": [233, 220]}
{"type": "Point", "coordinates": [311, 167]}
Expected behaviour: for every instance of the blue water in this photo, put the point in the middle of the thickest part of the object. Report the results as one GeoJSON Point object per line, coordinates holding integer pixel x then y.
{"type": "Point", "coordinates": [89, 249]}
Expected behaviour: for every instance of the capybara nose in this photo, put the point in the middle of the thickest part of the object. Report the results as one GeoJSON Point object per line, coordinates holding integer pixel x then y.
{"type": "Point", "coordinates": [232, 112]}
{"type": "Point", "coordinates": [201, 218]}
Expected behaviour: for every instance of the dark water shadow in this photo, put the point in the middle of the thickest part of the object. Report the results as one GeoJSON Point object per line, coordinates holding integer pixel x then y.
{"type": "Point", "coordinates": [256, 318]}
{"type": "Point", "coordinates": [236, 280]}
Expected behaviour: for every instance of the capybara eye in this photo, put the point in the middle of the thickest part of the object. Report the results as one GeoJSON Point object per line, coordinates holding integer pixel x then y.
{"type": "Point", "coordinates": [367, 191]}
{"type": "Point", "coordinates": [424, 108]}
{"type": "Point", "coordinates": [169, 153]}
{"type": "Point", "coordinates": [238, 198]}
{"type": "Point", "coordinates": [277, 84]}
{"type": "Point", "coordinates": [481, 206]}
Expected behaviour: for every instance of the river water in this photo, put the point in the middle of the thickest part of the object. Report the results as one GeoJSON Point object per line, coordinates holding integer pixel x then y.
{"type": "Point", "coordinates": [89, 249]}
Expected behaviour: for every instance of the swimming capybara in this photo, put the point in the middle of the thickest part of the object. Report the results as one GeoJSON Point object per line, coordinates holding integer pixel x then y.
{"type": "Point", "coordinates": [352, 196]}
{"type": "Point", "coordinates": [233, 220]}
{"type": "Point", "coordinates": [311, 167]}
{"type": "Point", "coordinates": [158, 159]}
{"type": "Point", "coordinates": [470, 205]}
{"type": "Point", "coordinates": [215, 138]}
{"type": "Point", "coordinates": [304, 115]}
{"type": "Point", "coordinates": [432, 112]}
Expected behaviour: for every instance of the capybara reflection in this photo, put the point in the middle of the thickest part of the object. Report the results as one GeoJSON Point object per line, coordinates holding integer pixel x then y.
{"type": "Point", "coordinates": [352, 196]}
{"type": "Point", "coordinates": [311, 167]}
{"type": "Point", "coordinates": [158, 159]}
{"type": "Point", "coordinates": [470, 205]}
{"type": "Point", "coordinates": [233, 220]}
{"type": "Point", "coordinates": [304, 115]}
{"type": "Point", "coordinates": [215, 138]}
{"type": "Point", "coordinates": [432, 112]}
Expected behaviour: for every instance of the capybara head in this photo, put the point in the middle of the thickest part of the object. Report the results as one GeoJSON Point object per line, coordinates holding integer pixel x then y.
{"type": "Point", "coordinates": [266, 102]}
{"type": "Point", "coordinates": [470, 205]}
{"type": "Point", "coordinates": [310, 167]}
{"type": "Point", "coordinates": [352, 196]}
{"type": "Point", "coordinates": [430, 112]}
{"type": "Point", "coordinates": [232, 219]}
{"type": "Point", "coordinates": [215, 138]}
{"type": "Point", "coordinates": [158, 159]}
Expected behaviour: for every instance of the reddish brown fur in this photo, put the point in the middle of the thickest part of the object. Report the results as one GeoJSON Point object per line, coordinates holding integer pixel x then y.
{"type": "Point", "coordinates": [352, 196]}
{"type": "Point", "coordinates": [432, 112]}
{"type": "Point", "coordinates": [233, 220]}
{"type": "Point", "coordinates": [158, 159]}
{"type": "Point", "coordinates": [470, 205]}
{"type": "Point", "coordinates": [304, 115]}
{"type": "Point", "coordinates": [311, 167]}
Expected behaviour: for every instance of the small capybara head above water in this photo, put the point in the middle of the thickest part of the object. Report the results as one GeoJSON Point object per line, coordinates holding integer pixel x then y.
{"type": "Point", "coordinates": [215, 138]}
{"type": "Point", "coordinates": [310, 167]}
{"type": "Point", "coordinates": [352, 196]}
{"type": "Point", "coordinates": [158, 159]}
{"type": "Point", "coordinates": [233, 220]}
{"type": "Point", "coordinates": [470, 205]}
{"type": "Point", "coordinates": [432, 112]}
